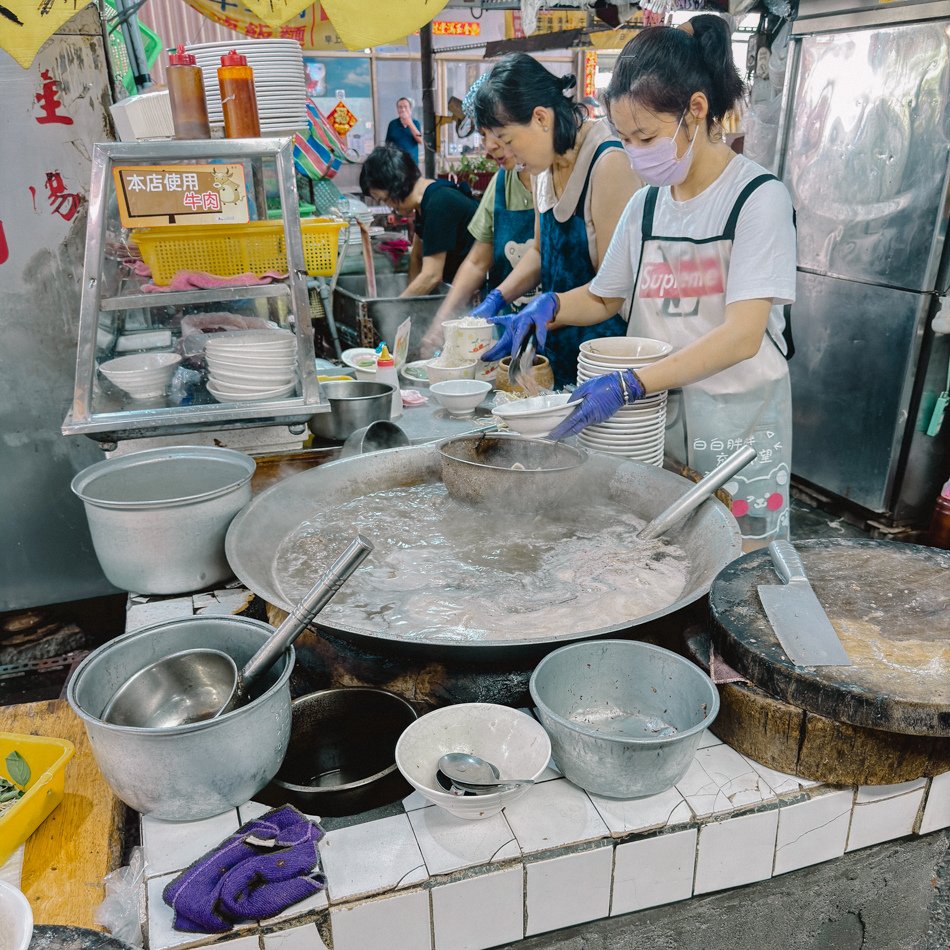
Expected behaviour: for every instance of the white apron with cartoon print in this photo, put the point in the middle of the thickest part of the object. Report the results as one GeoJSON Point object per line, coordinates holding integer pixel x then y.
{"type": "Point", "coordinates": [679, 297]}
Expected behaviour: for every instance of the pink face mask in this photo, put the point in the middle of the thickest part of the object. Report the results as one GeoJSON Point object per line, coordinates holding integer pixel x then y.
{"type": "Point", "coordinates": [657, 163]}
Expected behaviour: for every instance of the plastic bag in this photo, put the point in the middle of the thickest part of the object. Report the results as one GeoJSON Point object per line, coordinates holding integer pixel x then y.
{"type": "Point", "coordinates": [122, 912]}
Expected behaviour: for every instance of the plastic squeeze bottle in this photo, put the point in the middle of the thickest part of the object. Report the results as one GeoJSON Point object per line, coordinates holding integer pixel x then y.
{"type": "Point", "coordinates": [386, 373]}
{"type": "Point", "coordinates": [238, 99]}
{"type": "Point", "coordinates": [186, 93]}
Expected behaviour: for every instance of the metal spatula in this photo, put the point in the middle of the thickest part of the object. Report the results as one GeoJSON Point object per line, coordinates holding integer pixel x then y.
{"type": "Point", "coordinates": [798, 619]}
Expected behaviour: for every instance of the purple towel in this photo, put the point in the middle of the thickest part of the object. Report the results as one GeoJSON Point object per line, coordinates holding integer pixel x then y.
{"type": "Point", "coordinates": [260, 870]}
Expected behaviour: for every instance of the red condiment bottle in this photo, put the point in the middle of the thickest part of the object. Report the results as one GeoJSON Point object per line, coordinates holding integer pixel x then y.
{"type": "Point", "coordinates": [939, 534]}
{"type": "Point", "coordinates": [186, 92]}
{"type": "Point", "coordinates": [238, 99]}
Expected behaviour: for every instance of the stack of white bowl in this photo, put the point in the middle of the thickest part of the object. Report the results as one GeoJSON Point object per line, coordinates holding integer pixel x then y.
{"type": "Point", "coordinates": [280, 83]}
{"type": "Point", "coordinates": [251, 364]}
{"type": "Point", "coordinates": [635, 432]}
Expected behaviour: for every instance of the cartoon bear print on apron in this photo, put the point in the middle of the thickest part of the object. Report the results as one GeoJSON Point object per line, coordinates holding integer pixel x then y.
{"type": "Point", "coordinates": [680, 295]}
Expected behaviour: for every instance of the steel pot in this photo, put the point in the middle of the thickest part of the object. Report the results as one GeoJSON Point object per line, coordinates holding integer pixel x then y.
{"type": "Point", "coordinates": [710, 537]}
{"type": "Point", "coordinates": [342, 754]}
{"type": "Point", "coordinates": [353, 405]}
{"type": "Point", "coordinates": [158, 518]}
{"type": "Point", "coordinates": [195, 771]}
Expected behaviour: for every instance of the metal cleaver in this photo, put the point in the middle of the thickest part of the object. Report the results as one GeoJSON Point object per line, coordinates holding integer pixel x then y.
{"type": "Point", "coordinates": [798, 619]}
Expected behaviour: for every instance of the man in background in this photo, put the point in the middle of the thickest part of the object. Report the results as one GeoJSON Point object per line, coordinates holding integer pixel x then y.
{"type": "Point", "coordinates": [404, 132]}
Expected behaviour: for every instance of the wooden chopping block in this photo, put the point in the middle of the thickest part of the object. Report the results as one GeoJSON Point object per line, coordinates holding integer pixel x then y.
{"type": "Point", "coordinates": [67, 858]}
{"type": "Point", "coordinates": [790, 739]}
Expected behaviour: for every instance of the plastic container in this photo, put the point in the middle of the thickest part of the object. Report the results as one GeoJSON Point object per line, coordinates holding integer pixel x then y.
{"type": "Point", "coordinates": [230, 249]}
{"type": "Point", "coordinates": [386, 373]}
{"type": "Point", "coordinates": [47, 760]}
{"type": "Point", "coordinates": [939, 534]}
{"type": "Point", "coordinates": [186, 92]}
{"type": "Point", "coordinates": [238, 99]}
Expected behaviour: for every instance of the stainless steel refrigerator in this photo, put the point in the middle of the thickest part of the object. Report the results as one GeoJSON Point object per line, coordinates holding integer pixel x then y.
{"type": "Point", "coordinates": [865, 150]}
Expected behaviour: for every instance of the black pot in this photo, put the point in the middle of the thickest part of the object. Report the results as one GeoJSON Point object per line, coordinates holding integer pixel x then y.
{"type": "Point", "coordinates": [341, 757]}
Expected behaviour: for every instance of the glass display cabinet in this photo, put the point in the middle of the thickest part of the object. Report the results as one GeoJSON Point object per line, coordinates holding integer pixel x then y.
{"type": "Point", "coordinates": [188, 244]}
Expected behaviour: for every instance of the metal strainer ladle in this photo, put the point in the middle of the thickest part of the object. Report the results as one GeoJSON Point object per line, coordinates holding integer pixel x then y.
{"type": "Point", "coordinates": [195, 685]}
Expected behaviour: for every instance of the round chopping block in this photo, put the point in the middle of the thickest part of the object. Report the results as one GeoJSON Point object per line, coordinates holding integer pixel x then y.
{"type": "Point", "coordinates": [790, 739]}
{"type": "Point", "coordinates": [889, 604]}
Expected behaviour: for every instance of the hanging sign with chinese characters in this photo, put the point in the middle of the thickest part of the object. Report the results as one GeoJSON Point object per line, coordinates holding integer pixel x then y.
{"type": "Point", "coordinates": [26, 25]}
{"type": "Point", "coordinates": [341, 118]}
{"type": "Point", "coordinates": [155, 195]}
{"type": "Point", "coordinates": [455, 28]}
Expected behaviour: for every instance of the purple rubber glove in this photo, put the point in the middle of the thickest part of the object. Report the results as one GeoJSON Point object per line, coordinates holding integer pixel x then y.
{"type": "Point", "coordinates": [252, 852]}
{"type": "Point", "coordinates": [517, 326]}
{"type": "Point", "coordinates": [490, 306]}
{"type": "Point", "coordinates": [599, 398]}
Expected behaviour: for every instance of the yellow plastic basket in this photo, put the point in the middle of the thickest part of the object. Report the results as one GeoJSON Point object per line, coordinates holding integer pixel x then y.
{"type": "Point", "coordinates": [230, 249]}
{"type": "Point", "coordinates": [47, 760]}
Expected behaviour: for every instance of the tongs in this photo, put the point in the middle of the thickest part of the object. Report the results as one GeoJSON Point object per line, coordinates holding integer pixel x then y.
{"type": "Point", "coordinates": [521, 371]}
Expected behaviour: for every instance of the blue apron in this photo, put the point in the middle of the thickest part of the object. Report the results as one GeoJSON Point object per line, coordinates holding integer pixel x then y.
{"type": "Point", "coordinates": [513, 234]}
{"type": "Point", "coordinates": [566, 264]}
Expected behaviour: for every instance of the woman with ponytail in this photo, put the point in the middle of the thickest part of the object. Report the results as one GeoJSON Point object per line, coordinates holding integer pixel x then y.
{"type": "Point", "coordinates": [582, 182]}
{"type": "Point", "coordinates": [708, 253]}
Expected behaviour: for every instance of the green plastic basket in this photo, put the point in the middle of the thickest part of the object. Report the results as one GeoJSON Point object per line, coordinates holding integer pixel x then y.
{"type": "Point", "coordinates": [151, 43]}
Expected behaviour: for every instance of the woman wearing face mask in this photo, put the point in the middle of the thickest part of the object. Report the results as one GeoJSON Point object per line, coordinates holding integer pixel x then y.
{"type": "Point", "coordinates": [582, 183]}
{"type": "Point", "coordinates": [709, 254]}
{"type": "Point", "coordinates": [503, 229]}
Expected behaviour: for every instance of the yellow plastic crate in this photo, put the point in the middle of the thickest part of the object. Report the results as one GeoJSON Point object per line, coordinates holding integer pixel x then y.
{"type": "Point", "coordinates": [47, 760]}
{"type": "Point", "coordinates": [230, 249]}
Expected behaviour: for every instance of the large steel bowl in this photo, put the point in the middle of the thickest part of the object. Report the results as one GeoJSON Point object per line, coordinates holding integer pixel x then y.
{"type": "Point", "coordinates": [187, 772]}
{"type": "Point", "coordinates": [353, 405]}
{"type": "Point", "coordinates": [710, 537]}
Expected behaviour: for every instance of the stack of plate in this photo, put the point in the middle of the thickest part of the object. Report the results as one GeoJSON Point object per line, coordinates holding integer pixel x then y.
{"type": "Point", "coordinates": [279, 81]}
{"type": "Point", "coordinates": [635, 432]}
{"type": "Point", "coordinates": [251, 364]}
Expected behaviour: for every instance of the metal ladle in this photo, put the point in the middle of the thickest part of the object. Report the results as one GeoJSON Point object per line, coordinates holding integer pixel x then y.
{"type": "Point", "coordinates": [697, 494]}
{"type": "Point", "coordinates": [195, 685]}
{"type": "Point", "coordinates": [471, 773]}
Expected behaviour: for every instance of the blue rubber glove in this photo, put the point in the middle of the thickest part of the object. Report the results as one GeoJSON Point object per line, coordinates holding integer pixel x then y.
{"type": "Point", "coordinates": [516, 327]}
{"type": "Point", "coordinates": [599, 398]}
{"type": "Point", "coordinates": [490, 306]}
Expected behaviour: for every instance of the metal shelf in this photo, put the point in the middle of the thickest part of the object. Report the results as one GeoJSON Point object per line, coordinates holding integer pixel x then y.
{"type": "Point", "coordinates": [169, 298]}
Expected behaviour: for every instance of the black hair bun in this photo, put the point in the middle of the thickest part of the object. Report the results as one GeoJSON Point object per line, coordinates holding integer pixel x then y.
{"type": "Point", "coordinates": [567, 82]}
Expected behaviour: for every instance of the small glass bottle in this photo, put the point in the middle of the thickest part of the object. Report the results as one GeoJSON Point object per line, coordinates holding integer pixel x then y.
{"type": "Point", "coordinates": [238, 99]}
{"type": "Point", "coordinates": [386, 373]}
{"type": "Point", "coordinates": [939, 534]}
{"type": "Point", "coordinates": [186, 93]}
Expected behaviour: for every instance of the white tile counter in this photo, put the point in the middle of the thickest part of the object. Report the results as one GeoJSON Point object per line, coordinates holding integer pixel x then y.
{"type": "Point", "coordinates": [412, 877]}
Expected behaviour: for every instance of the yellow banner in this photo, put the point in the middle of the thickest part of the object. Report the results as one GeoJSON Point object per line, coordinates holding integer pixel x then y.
{"type": "Point", "coordinates": [402, 17]}
{"type": "Point", "coordinates": [311, 27]}
{"type": "Point", "coordinates": [26, 25]}
{"type": "Point", "coordinates": [611, 39]}
{"type": "Point", "coordinates": [551, 22]}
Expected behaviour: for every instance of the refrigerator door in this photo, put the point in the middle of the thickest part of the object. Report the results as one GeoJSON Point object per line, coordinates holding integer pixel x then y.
{"type": "Point", "coordinates": [852, 381]}
{"type": "Point", "coordinates": [866, 158]}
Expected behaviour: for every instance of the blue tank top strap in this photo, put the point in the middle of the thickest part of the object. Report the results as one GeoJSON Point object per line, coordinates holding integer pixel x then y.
{"type": "Point", "coordinates": [603, 147]}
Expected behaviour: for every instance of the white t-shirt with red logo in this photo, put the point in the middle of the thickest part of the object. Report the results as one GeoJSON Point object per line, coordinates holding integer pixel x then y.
{"type": "Point", "coordinates": [762, 263]}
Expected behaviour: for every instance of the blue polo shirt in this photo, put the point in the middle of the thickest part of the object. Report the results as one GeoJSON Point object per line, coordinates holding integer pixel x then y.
{"type": "Point", "coordinates": [399, 135]}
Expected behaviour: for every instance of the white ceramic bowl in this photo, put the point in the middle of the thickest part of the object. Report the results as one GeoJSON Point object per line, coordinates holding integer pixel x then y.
{"type": "Point", "coordinates": [537, 416]}
{"type": "Point", "coordinates": [229, 388]}
{"type": "Point", "coordinates": [141, 375]}
{"type": "Point", "coordinates": [16, 917]}
{"type": "Point", "coordinates": [513, 741]}
{"type": "Point", "coordinates": [460, 397]}
{"type": "Point", "coordinates": [258, 378]}
{"type": "Point", "coordinates": [360, 357]}
{"type": "Point", "coordinates": [222, 396]}
{"type": "Point", "coordinates": [624, 350]}
{"type": "Point", "coordinates": [441, 374]}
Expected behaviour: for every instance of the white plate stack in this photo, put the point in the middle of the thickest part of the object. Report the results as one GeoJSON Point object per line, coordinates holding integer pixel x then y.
{"type": "Point", "coordinates": [279, 82]}
{"type": "Point", "coordinates": [636, 432]}
{"type": "Point", "coordinates": [251, 364]}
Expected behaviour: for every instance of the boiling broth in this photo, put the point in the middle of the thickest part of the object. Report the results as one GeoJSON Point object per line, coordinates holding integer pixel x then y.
{"type": "Point", "coordinates": [444, 570]}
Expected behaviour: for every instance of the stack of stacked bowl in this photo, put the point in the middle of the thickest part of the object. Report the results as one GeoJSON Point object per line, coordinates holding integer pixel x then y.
{"type": "Point", "coordinates": [635, 432]}
{"type": "Point", "coordinates": [251, 364]}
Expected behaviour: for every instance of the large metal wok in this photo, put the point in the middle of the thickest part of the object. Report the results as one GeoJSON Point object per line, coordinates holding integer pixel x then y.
{"type": "Point", "coordinates": [710, 538]}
